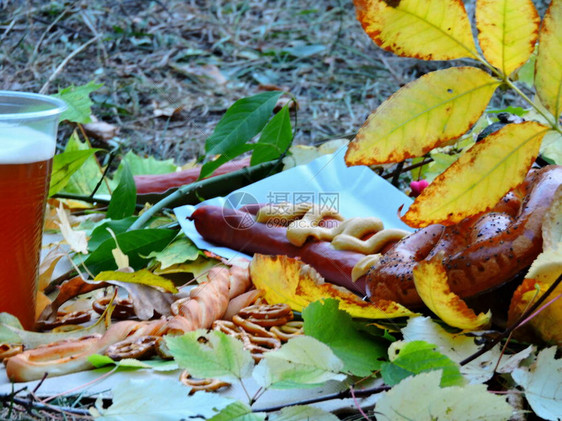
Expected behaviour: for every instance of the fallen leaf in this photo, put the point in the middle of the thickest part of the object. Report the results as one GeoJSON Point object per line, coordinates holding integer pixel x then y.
{"type": "Point", "coordinates": [552, 222]}
{"type": "Point", "coordinates": [411, 358]}
{"type": "Point", "coordinates": [302, 362]}
{"type": "Point", "coordinates": [421, 398]}
{"type": "Point", "coordinates": [359, 352]}
{"type": "Point", "coordinates": [456, 346]}
{"type": "Point", "coordinates": [178, 251]}
{"type": "Point", "coordinates": [238, 411]}
{"type": "Point", "coordinates": [211, 354]}
{"type": "Point", "coordinates": [100, 130]}
{"type": "Point", "coordinates": [303, 412]}
{"type": "Point", "coordinates": [76, 239]}
{"type": "Point", "coordinates": [290, 281]}
{"type": "Point", "coordinates": [147, 300]}
{"type": "Point", "coordinates": [142, 277]}
{"type": "Point", "coordinates": [432, 286]}
{"type": "Point", "coordinates": [542, 383]}
{"type": "Point", "coordinates": [131, 402]}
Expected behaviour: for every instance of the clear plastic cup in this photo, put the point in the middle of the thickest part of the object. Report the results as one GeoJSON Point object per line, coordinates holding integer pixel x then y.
{"type": "Point", "coordinates": [28, 128]}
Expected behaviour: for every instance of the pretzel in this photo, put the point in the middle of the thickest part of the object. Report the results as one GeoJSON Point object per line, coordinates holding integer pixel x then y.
{"type": "Point", "coordinates": [289, 330]}
{"type": "Point", "coordinates": [141, 348]}
{"type": "Point", "coordinates": [251, 328]}
{"type": "Point", "coordinates": [258, 345]}
{"type": "Point", "coordinates": [207, 385]}
{"type": "Point", "coordinates": [267, 315]}
{"type": "Point", "coordinates": [9, 350]}
{"type": "Point", "coordinates": [64, 319]}
{"type": "Point", "coordinates": [229, 328]}
{"type": "Point", "coordinates": [123, 307]}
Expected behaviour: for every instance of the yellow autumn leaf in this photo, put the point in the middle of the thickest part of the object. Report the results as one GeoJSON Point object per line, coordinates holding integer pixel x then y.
{"type": "Point", "coordinates": [480, 177]}
{"type": "Point", "coordinates": [552, 222]}
{"type": "Point", "coordinates": [290, 281]}
{"type": "Point", "coordinates": [548, 67]}
{"type": "Point", "coordinates": [428, 30]}
{"type": "Point", "coordinates": [143, 277]}
{"type": "Point", "coordinates": [507, 32]}
{"type": "Point", "coordinates": [546, 325]}
{"type": "Point", "coordinates": [423, 114]}
{"type": "Point", "coordinates": [432, 285]}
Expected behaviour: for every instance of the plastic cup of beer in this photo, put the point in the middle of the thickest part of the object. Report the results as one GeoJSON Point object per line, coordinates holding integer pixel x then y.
{"type": "Point", "coordinates": [28, 127]}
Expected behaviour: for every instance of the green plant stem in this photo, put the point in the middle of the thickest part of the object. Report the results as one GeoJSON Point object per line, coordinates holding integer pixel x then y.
{"type": "Point", "coordinates": [247, 172]}
{"type": "Point", "coordinates": [522, 94]}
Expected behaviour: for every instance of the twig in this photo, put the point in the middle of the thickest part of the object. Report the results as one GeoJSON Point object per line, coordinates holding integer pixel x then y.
{"type": "Point", "coordinates": [340, 395]}
{"type": "Point", "coordinates": [408, 168]}
{"type": "Point", "coordinates": [515, 325]}
{"type": "Point", "coordinates": [44, 407]}
{"type": "Point", "coordinates": [65, 62]}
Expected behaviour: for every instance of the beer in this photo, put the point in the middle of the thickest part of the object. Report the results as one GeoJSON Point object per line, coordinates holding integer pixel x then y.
{"type": "Point", "coordinates": [25, 168]}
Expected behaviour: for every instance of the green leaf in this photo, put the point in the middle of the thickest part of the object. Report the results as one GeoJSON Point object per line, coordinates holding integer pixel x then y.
{"type": "Point", "coordinates": [241, 122]}
{"type": "Point", "coordinates": [211, 354]}
{"type": "Point", "coordinates": [87, 177]}
{"type": "Point", "coordinates": [303, 412]}
{"type": "Point", "coordinates": [134, 244]}
{"type": "Point", "coordinates": [180, 250]}
{"type": "Point", "coordinates": [420, 398]}
{"type": "Point", "coordinates": [359, 352]}
{"type": "Point", "coordinates": [124, 197]}
{"type": "Point", "coordinates": [275, 138]}
{"type": "Point", "coordinates": [139, 165]}
{"type": "Point", "coordinates": [551, 147]}
{"type": "Point", "coordinates": [238, 411]}
{"type": "Point", "coordinates": [410, 358]}
{"type": "Point", "coordinates": [101, 233]}
{"type": "Point", "coordinates": [66, 164]}
{"type": "Point", "coordinates": [98, 361]}
{"type": "Point", "coordinates": [168, 400]}
{"type": "Point", "coordinates": [139, 277]}
{"type": "Point", "coordinates": [209, 167]}
{"type": "Point", "coordinates": [77, 99]}
{"type": "Point", "coordinates": [303, 362]}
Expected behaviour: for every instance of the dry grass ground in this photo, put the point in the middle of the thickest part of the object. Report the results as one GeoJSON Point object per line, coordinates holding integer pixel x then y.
{"type": "Point", "coordinates": [194, 58]}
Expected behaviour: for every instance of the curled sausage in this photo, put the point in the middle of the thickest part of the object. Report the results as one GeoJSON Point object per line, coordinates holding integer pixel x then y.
{"type": "Point", "coordinates": [481, 252]}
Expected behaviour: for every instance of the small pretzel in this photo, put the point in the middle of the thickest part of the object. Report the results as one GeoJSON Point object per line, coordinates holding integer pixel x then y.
{"type": "Point", "coordinates": [229, 328]}
{"type": "Point", "coordinates": [63, 319]}
{"type": "Point", "coordinates": [143, 347]}
{"type": "Point", "coordinates": [251, 327]}
{"type": "Point", "coordinates": [9, 350]}
{"type": "Point", "coordinates": [123, 309]}
{"type": "Point", "coordinates": [258, 345]}
{"type": "Point", "coordinates": [273, 311]}
{"type": "Point", "coordinates": [288, 330]}
{"type": "Point", "coordinates": [208, 385]}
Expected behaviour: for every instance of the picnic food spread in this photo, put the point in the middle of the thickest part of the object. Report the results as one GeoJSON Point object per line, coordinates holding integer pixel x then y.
{"type": "Point", "coordinates": [480, 253]}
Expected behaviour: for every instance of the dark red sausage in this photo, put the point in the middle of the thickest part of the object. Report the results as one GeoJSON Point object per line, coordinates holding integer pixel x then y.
{"type": "Point", "coordinates": [239, 231]}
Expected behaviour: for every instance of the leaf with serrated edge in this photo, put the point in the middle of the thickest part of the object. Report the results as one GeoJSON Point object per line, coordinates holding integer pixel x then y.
{"type": "Point", "coordinates": [241, 122]}
{"type": "Point", "coordinates": [77, 99]}
{"type": "Point", "coordinates": [423, 114]}
{"type": "Point", "coordinates": [551, 147]}
{"type": "Point", "coordinates": [416, 357]}
{"type": "Point", "coordinates": [454, 345]}
{"type": "Point", "coordinates": [303, 362]}
{"type": "Point", "coordinates": [548, 67]}
{"type": "Point", "coordinates": [480, 177]}
{"type": "Point", "coordinates": [291, 282]}
{"type": "Point", "coordinates": [124, 198]}
{"type": "Point", "coordinates": [238, 411]}
{"type": "Point", "coordinates": [274, 139]}
{"type": "Point", "coordinates": [65, 165]}
{"type": "Point", "coordinates": [428, 30]}
{"type": "Point", "coordinates": [507, 32]}
{"type": "Point", "coordinates": [360, 353]}
{"type": "Point", "coordinates": [302, 412]}
{"type": "Point", "coordinates": [179, 251]}
{"type": "Point", "coordinates": [167, 401]}
{"type": "Point", "coordinates": [433, 288]}
{"type": "Point", "coordinates": [542, 383]}
{"type": "Point", "coordinates": [420, 398]}
{"type": "Point", "coordinates": [211, 354]}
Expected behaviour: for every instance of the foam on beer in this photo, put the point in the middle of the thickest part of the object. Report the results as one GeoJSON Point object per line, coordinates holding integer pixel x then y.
{"type": "Point", "coordinates": [23, 145]}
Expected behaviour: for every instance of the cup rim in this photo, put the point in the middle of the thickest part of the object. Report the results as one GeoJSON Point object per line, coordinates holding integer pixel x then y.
{"type": "Point", "coordinates": [58, 106]}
